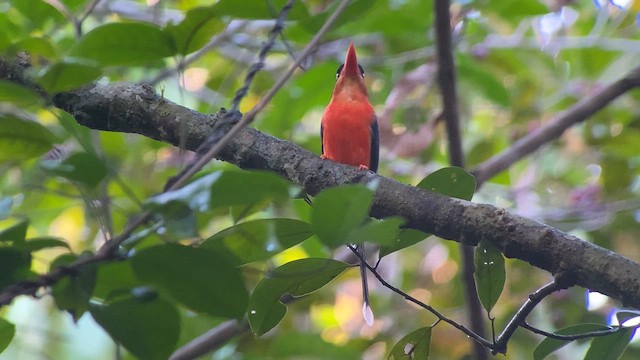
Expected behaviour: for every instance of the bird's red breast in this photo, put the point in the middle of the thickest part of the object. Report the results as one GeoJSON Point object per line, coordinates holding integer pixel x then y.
{"type": "Point", "coordinates": [349, 128]}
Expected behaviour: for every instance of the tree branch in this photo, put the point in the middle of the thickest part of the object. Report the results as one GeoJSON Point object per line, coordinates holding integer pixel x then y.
{"type": "Point", "coordinates": [138, 109]}
{"type": "Point", "coordinates": [554, 128]}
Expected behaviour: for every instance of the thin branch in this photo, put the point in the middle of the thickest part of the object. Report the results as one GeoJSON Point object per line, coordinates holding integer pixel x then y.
{"type": "Point", "coordinates": [550, 131]}
{"type": "Point", "coordinates": [477, 338]}
{"type": "Point", "coordinates": [521, 315]}
{"type": "Point", "coordinates": [604, 332]}
{"type": "Point", "coordinates": [210, 340]}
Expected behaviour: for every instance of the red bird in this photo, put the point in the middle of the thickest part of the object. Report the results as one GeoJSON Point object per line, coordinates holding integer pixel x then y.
{"type": "Point", "coordinates": [349, 134]}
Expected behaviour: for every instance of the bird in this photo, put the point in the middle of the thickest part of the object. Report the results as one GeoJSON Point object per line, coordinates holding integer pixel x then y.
{"type": "Point", "coordinates": [349, 135]}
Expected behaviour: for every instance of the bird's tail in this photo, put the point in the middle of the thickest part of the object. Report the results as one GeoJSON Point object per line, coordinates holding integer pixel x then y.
{"type": "Point", "coordinates": [367, 313]}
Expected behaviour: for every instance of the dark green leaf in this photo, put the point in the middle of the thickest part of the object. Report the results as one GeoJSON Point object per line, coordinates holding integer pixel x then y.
{"type": "Point", "coordinates": [406, 238]}
{"type": "Point", "coordinates": [609, 347]}
{"type": "Point", "coordinates": [339, 211]}
{"type": "Point", "coordinates": [129, 44]}
{"type": "Point", "coordinates": [450, 181]}
{"type": "Point", "coordinates": [381, 232]}
{"type": "Point", "coordinates": [199, 278]}
{"type": "Point", "coordinates": [39, 243]}
{"type": "Point", "coordinates": [22, 139]}
{"type": "Point", "coordinates": [16, 232]}
{"type": "Point", "coordinates": [14, 266]}
{"type": "Point", "coordinates": [148, 329]}
{"type": "Point", "coordinates": [65, 76]}
{"type": "Point", "coordinates": [195, 30]}
{"type": "Point", "coordinates": [415, 345]}
{"type": "Point", "coordinates": [483, 81]}
{"type": "Point", "coordinates": [7, 330]}
{"type": "Point", "coordinates": [549, 345]}
{"type": "Point", "coordinates": [115, 278]}
{"type": "Point", "coordinates": [490, 273]}
{"type": "Point", "coordinates": [18, 95]}
{"type": "Point", "coordinates": [295, 278]}
{"type": "Point", "coordinates": [72, 293]}
{"type": "Point", "coordinates": [226, 188]}
{"type": "Point", "coordinates": [259, 239]}
{"type": "Point", "coordinates": [82, 167]}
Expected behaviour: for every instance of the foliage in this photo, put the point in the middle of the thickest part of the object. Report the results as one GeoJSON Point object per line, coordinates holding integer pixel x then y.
{"type": "Point", "coordinates": [235, 244]}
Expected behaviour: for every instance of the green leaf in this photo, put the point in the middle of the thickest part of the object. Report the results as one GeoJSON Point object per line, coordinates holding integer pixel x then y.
{"type": "Point", "coordinates": [148, 329]}
{"type": "Point", "coordinates": [80, 167]}
{"type": "Point", "coordinates": [609, 347]}
{"type": "Point", "coordinates": [406, 238]}
{"type": "Point", "coordinates": [490, 273]}
{"type": "Point", "coordinates": [18, 95]}
{"type": "Point", "coordinates": [195, 30]}
{"type": "Point", "coordinates": [116, 278]}
{"type": "Point", "coordinates": [450, 181]}
{"type": "Point", "coordinates": [259, 239]}
{"type": "Point", "coordinates": [381, 232]}
{"type": "Point", "coordinates": [415, 345]}
{"type": "Point", "coordinates": [339, 211]}
{"type": "Point", "coordinates": [39, 243]}
{"type": "Point", "coordinates": [549, 345]}
{"type": "Point", "coordinates": [16, 232]}
{"type": "Point", "coordinates": [126, 44]}
{"type": "Point", "coordinates": [22, 139]}
{"type": "Point", "coordinates": [260, 9]}
{"type": "Point", "coordinates": [296, 278]}
{"type": "Point", "coordinates": [199, 278]}
{"type": "Point", "coordinates": [7, 331]}
{"type": "Point", "coordinates": [64, 76]}
{"type": "Point", "coordinates": [14, 266]}
{"type": "Point", "coordinates": [72, 293]}
{"type": "Point", "coordinates": [226, 188]}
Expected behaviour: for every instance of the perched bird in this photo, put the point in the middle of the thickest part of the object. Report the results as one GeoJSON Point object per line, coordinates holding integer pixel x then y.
{"type": "Point", "coordinates": [349, 134]}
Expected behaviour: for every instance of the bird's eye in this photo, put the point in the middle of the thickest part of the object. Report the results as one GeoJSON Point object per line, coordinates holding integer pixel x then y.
{"type": "Point", "coordinates": [339, 71]}
{"type": "Point", "coordinates": [360, 68]}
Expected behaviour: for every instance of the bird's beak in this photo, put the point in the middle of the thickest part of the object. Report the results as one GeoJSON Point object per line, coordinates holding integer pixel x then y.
{"type": "Point", "coordinates": [350, 68]}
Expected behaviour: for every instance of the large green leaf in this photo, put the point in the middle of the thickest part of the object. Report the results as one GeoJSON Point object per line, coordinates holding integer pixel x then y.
{"type": "Point", "coordinates": [199, 278]}
{"type": "Point", "coordinates": [549, 345]}
{"type": "Point", "coordinates": [296, 278]}
{"type": "Point", "coordinates": [490, 273]}
{"type": "Point", "coordinates": [451, 181]}
{"type": "Point", "coordinates": [227, 188]}
{"type": "Point", "coordinates": [195, 30]}
{"type": "Point", "coordinates": [18, 95]}
{"type": "Point", "coordinates": [72, 293]}
{"type": "Point", "coordinates": [68, 75]}
{"type": "Point", "coordinates": [39, 243]}
{"type": "Point", "coordinates": [81, 167]}
{"type": "Point", "coordinates": [115, 279]}
{"type": "Point", "coordinates": [609, 347]}
{"type": "Point", "coordinates": [14, 266]}
{"type": "Point", "coordinates": [7, 331]}
{"type": "Point", "coordinates": [148, 329]}
{"type": "Point", "coordinates": [22, 139]}
{"type": "Point", "coordinates": [133, 44]}
{"type": "Point", "coordinates": [381, 232]}
{"type": "Point", "coordinates": [259, 239]}
{"type": "Point", "coordinates": [16, 232]}
{"type": "Point", "coordinates": [337, 212]}
{"type": "Point", "coordinates": [414, 345]}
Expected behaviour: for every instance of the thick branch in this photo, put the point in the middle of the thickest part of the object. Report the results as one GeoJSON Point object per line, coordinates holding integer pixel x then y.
{"type": "Point", "coordinates": [138, 109]}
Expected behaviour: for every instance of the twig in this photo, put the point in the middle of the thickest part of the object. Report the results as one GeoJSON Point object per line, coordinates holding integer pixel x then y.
{"type": "Point", "coordinates": [479, 339]}
{"type": "Point", "coordinates": [211, 339]}
{"type": "Point", "coordinates": [521, 315]}
{"type": "Point", "coordinates": [597, 333]}
{"type": "Point", "coordinates": [579, 112]}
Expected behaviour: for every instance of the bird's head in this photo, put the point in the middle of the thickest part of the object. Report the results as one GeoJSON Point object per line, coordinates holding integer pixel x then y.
{"type": "Point", "coordinates": [350, 77]}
